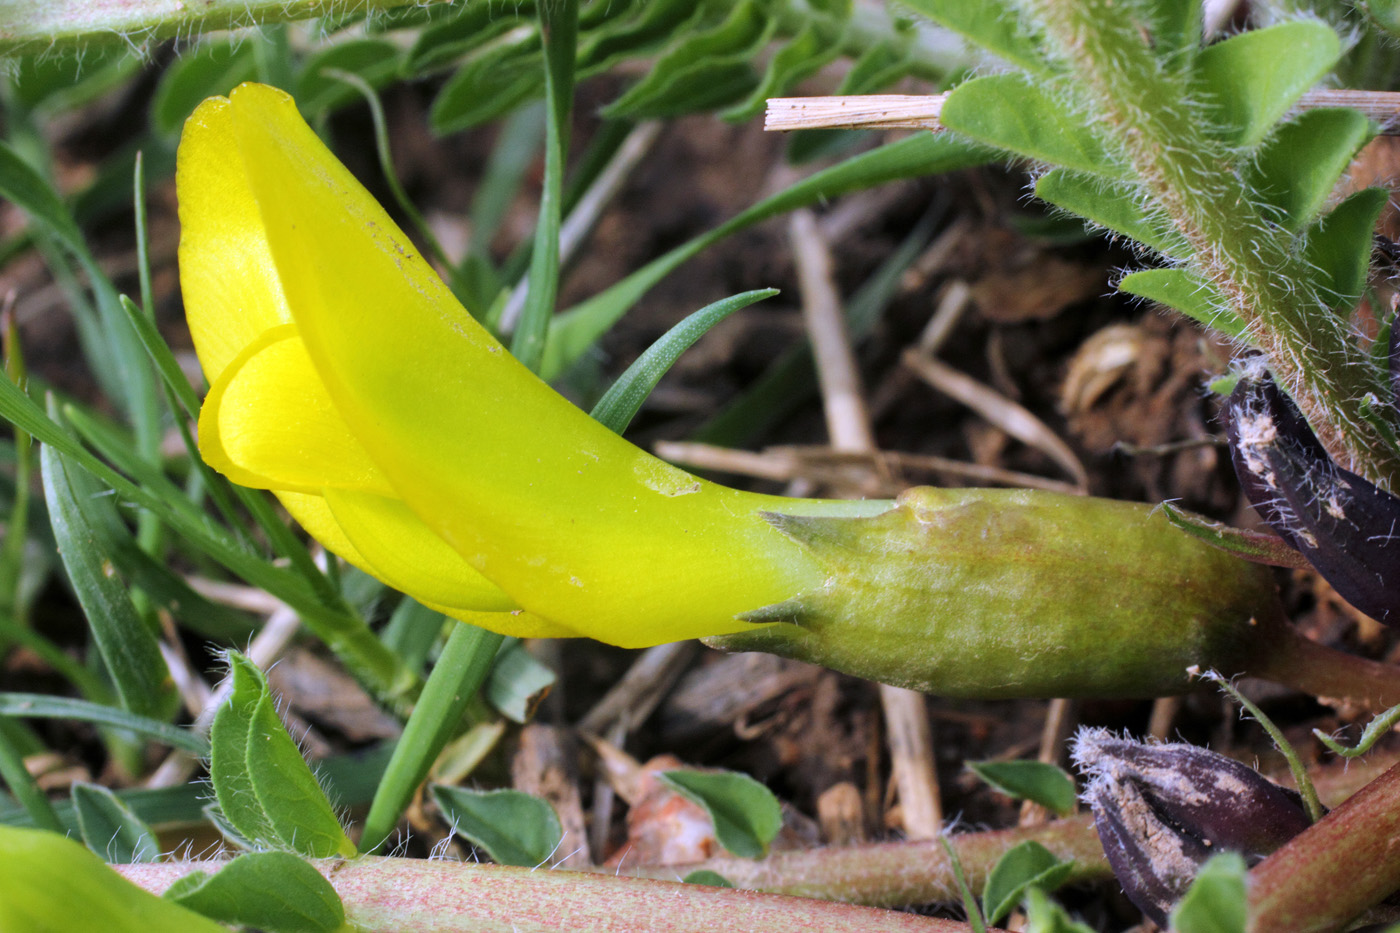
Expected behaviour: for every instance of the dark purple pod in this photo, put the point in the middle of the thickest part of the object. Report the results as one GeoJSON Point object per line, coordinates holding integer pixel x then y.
{"type": "Point", "coordinates": [1346, 527]}
{"type": "Point", "coordinates": [1162, 810]}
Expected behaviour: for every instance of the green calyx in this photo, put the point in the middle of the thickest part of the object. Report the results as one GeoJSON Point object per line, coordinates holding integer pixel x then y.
{"type": "Point", "coordinates": [1016, 593]}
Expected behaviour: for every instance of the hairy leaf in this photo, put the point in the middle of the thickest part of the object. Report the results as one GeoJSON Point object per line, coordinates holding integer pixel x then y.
{"type": "Point", "coordinates": [1253, 78]}
{"type": "Point", "coordinates": [1188, 293]}
{"type": "Point", "coordinates": [1015, 113]}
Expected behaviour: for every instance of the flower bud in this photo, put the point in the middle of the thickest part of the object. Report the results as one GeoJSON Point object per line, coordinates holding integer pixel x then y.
{"type": "Point", "coordinates": [1162, 810]}
{"type": "Point", "coordinates": [1343, 524]}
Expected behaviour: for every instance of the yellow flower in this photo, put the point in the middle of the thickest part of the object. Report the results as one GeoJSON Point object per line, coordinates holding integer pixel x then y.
{"type": "Point", "coordinates": [347, 379]}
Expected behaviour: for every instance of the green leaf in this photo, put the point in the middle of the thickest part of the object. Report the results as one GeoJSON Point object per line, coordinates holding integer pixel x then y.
{"type": "Point", "coordinates": [466, 658]}
{"type": "Point", "coordinates": [992, 24]}
{"type": "Point", "coordinates": [801, 57]}
{"type": "Point", "coordinates": [1035, 781]}
{"type": "Point", "coordinates": [517, 682]}
{"type": "Point", "coordinates": [374, 60]}
{"type": "Point", "coordinates": [1339, 246]}
{"type": "Point", "coordinates": [1113, 206]}
{"type": "Point", "coordinates": [1251, 545]}
{"type": "Point", "coordinates": [489, 86]}
{"type": "Point", "coordinates": [559, 27]}
{"type": "Point", "coordinates": [579, 328]}
{"type": "Point", "coordinates": [1215, 902]}
{"type": "Point", "coordinates": [208, 70]}
{"type": "Point", "coordinates": [712, 878]}
{"type": "Point", "coordinates": [1299, 165]}
{"type": "Point", "coordinates": [1015, 113]}
{"type": "Point", "coordinates": [229, 736]}
{"type": "Point", "coordinates": [477, 23]}
{"type": "Point", "coordinates": [27, 189]}
{"type": "Point", "coordinates": [1188, 293]}
{"type": "Point", "coordinates": [295, 803]}
{"type": "Point", "coordinates": [706, 69]}
{"type": "Point", "coordinates": [110, 829]}
{"type": "Point", "coordinates": [513, 827]}
{"type": "Point", "coordinates": [1253, 78]}
{"type": "Point", "coordinates": [272, 891]}
{"type": "Point", "coordinates": [262, 784]}
{"type": "Point", "coordinates": [53, 884]}
{"type": "Point", "coordinates": [1045, 916]}
{"type": "Point", "coordinates": [624, 398]}
{"type": "Point", "coordinates": [746, 815]}
{"type": "Point", "coordinates": [1028, 864]}
{"type": "Point", "coordinates": [127, 644]}
{"type": "Point", "coordinates": [653, 24]}
{"type": "Point", "coordinates": [42, 706]}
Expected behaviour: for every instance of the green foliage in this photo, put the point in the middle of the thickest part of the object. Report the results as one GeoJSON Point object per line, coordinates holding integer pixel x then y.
{"type": "Point", "coordinates": [1027, 865]}
{"type": "Point", "coordinates": [513, 827]}
{"type": "Point", "coordinates": [264, 788]}
{"type": "Point", "coordinates": [704, 876]}
{"type": "Point", "coordinates": [1035, 781]}
{"type": "Point", "coordinates": [1045, 916]}
{"type": "Point", "coordinates": [1180, 147]}
{"type": "Point", "coordinates": [517, 682]}
{"type": "Point", "coordinates": [127, 643]}
{"type": "Point", "coordinates": [51, 883]}
{"type": "Point", "coordinates": [1375, 730]}
{"type": "Point", "coordinates": [110, 828]}
{"type": "Point", "coordinates": [1215, 902]}
{"type": "Point", "coordinates": [272, 891]}
{"type": "Point", "coordinates": [620, 404]}
{"type": "Point", "coordinates": [746, 815]}
{"type": "Point", "coordinates": [1187, 292]}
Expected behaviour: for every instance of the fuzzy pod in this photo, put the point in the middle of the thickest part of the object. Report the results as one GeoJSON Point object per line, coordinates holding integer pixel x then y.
{"type": "Point", "coordinates": [1016, 593]}
{"type": "Point", "coordinates": [1162, 810]}
{"type": "Point", "coordinates": [1346, 526]}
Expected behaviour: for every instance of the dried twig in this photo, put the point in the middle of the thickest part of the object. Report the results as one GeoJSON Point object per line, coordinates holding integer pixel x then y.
{"type": "Point", "coordinates": [921, 111]}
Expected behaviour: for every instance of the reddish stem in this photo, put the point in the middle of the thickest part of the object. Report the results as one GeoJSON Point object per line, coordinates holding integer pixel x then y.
{"type": "Point", "coordinates": [1347, 862]}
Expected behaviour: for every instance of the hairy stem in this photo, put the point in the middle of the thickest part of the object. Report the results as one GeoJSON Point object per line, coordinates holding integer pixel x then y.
{"type": "Point", "coordinates": [1147, 108]}
{"type": "Point", "coordinates": [1329, 874]}
{"type": "Point", "coordinates": [394, 895]}
{"type": "Point", "coordinates": [28, 26]}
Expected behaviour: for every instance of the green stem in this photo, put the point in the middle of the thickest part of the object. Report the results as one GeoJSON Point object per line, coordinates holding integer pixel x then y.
{"type": "Point", "coordinates": [1147, 108]}
{"type": "Point", "coordinates": [29, 26]}
{"type": "Point", "coordinates": [460, 671]}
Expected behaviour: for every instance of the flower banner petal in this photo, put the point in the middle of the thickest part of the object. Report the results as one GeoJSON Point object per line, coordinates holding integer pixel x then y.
{"type": "Point", "coordinates": [227, 276]}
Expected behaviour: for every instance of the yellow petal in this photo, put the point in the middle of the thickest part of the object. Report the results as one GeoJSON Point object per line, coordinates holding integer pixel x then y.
{"type": "Point", "coordinates": [576, 524]}
{"type": "Point", "coordinates": [227, 276]}
{"type": "Point", "coordinates": [313, 514]}
{"type": "Point", "coordinates": [269, 423]}
{"type": "Point", "coordinates": [404, 553]}
{"type": "Point", "coordinates": [517, 623]}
